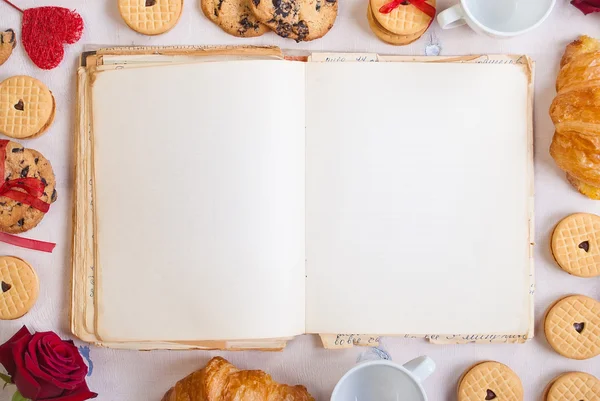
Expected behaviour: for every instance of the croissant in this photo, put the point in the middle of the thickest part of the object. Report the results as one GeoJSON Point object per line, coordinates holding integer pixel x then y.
{"type": "Point", "coordinates": [575, 112]}
{"type": "Point", "coordinates": [221, 381]}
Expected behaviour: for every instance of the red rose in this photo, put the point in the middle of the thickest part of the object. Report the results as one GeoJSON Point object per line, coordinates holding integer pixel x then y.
{"type": "Point", "coordinates": [45, 368]}
{"type": "Point", "coordinates": [587, 6]}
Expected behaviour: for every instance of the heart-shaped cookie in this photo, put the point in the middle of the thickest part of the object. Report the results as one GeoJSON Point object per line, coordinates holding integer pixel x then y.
{"type": "Point", "coordinates": [45, 32]}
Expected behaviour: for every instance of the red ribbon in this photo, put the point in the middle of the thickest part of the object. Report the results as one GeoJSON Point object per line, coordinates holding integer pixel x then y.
{"type": "Point", "coordinates": [27, 243]}
{"type": "Point", "coordinates": [420, 4]}
{"type": "Point", "coordinates": [27, 191]}
{"type": "Point", "coordinates": [33, 187]}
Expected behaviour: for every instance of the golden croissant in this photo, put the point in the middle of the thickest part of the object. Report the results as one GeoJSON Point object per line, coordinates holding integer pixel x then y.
{"type": "Point", "coordinates": [575, 112]}
{"type": "Point", "coordinates": [221, 381]}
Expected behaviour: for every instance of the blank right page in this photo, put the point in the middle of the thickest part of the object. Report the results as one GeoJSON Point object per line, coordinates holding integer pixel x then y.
{"type": "Point", "coordinates": [418, 190]}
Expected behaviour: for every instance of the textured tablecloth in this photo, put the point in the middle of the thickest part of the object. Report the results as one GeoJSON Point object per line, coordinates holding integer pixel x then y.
{"type": "Point", "coordinates": [136, 376]}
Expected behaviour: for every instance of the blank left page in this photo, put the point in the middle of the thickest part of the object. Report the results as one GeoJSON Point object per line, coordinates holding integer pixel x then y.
{"type": "Point", "coordinates": [199, 180]}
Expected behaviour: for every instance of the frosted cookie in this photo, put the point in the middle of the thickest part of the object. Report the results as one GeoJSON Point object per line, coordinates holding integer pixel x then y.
{"type": "Point", "coordinates": [406, 19]}
{"type": "Point", "coordinates": [28, 189]}
{"type": "Point", "coordinates": [573, 386]}
{"type": "Point", "coordinates": [27, 107]}
{"type": "Point", "coordinates": [576, 244]}
{"type": "Point", "coordinates": [19, 287]}
{"type": "Point", "coordinates": [8, 41]}
{"type": "Point", "coordinates": [301, 20]}
{"type": "Point", "coordinates": [490, 381]}
{"type": "Point", "coordinates": [572, 327]}
{"type": "Point", "coordinates": [387, 36]}
{"type": "Point", "coordinates": [151, 17]}
{"type": "Point", "coordinates": [234, 17]}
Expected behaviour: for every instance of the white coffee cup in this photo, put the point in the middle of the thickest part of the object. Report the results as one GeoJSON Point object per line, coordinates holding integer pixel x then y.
{"type": "Point", "coordinates": [383, 380]}
{"type": "Point", "coordinates": [497, 18]}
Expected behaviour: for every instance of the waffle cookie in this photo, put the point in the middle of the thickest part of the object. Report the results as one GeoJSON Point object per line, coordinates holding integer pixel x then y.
{"type": "Point", "coordinates": [17, 215]}
{"type": "Point", "coordinates": [573, 386]}
{"type": "Point", "coordinates": [27, 107]}
{"type": "Point", "coordinates": [8, 41]}
{"type": "Point", "coordinates": [19, 287]}
{"type": "Point", "coordinates": [572, 327]}
{"type": "Point", "coordinates": [234, 17]}
{"type": "Point", "coordinates": [490, 381]}
{"type": "Point", "coordinates": [151, 17]}
{"type": "Point", "coordinates": [575, 244]}
{"type": "Point", "coordinates": [387, 36]}
{"type": "Point", "coordinates": [405, 19]}
{"type": "Point", "coordinates": [301, 20]}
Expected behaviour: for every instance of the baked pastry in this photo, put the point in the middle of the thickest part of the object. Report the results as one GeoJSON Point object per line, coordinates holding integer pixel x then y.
{"type": "Point", "coordinates": [390, 37]}
{"type": "Point", "coordinates": [27, 107]}
{"type": "Point", "coordinates": [28, 189]}
{"type": "Point", "coordinates": [221, 381]}
{"type": "Point", "coordinates": [575, 112]}
{"type": "Point", "coordinates": [575, 244]}
{"type": "Point", "coordinates": [151, 17]}
{"type": "Point", "coordinates": [573, 386]}
{"type": "Point", "coordinates": [19, 287]}
{"type": "Point", "coordinates": [490, 381]}
{"type": "Point", "coordinates": [301, 20]}
{"type": "Point", "coordinates": [234, 17]}
{"type": "Point", "coordinates": [8, 41]}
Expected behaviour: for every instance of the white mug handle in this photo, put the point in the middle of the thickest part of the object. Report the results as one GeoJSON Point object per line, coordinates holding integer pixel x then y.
{"type": "Point", "coordinates": [452, 17]}
{"type": "Point", "coordinates": [421, 367]}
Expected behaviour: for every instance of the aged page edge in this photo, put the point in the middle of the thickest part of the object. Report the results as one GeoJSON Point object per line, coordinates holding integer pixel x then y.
{"type": "Point", "coordinates": [337, 341]}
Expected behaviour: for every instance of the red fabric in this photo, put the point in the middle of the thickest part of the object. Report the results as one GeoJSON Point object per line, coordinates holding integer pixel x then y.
{"type": "Point", "coordinates": [587, 6]}
{"type": "Point", "coordinates": [420, 4]}
{"type": "Point", "coordinates": [33, 187]}
{"type": "Point", "coordinates": [27, 243]}
{"type": "Point", "coordinates": [46, 30]}
{"type": "Point", "coordinates": [45, 368]}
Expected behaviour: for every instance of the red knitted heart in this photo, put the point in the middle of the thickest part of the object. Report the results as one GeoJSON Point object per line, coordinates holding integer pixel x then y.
{"type": "Point", "coordinates": [46, 30]}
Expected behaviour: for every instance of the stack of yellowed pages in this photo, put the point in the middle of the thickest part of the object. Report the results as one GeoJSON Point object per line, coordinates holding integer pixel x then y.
{"type": "Point", "coordinates": [236, 197]}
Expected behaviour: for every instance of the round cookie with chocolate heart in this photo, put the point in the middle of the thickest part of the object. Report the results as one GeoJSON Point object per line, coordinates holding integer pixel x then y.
{"type": "Point", "coordinates": [576, 244]}
{"type": "Point", "coordinates": [19, 287]}
{"type": "Point", "coordinates": [28, 187]}
{"type": "Point", "coordinates": [27, 107]}
{"type": "Point", "coordinates": [301, 20]}
{"type": "Point", "coordinates": [490, 381]}
{"type": "Point", "coordinates": [234, 17]}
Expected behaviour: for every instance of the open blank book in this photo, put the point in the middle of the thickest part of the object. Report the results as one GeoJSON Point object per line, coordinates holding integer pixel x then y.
{"type": "Point", "coordinates": [255, 199]}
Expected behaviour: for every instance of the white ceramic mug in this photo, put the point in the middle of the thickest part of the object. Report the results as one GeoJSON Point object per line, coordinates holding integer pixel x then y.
{"type": "Point", "coordinates": [497, 18]}
{"type": "Point", "coordinates": [385, 381]}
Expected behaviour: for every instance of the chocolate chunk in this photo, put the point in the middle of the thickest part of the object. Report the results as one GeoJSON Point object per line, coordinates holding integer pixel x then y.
{"type": "Point", "coordinates": [579, 327]}
{"type": "Point", "coordinates": [331, 1]}
{"type": "Point", "coordinates": [220, 4]}
{"type": "Point", "coordinates": [301, 29]}
{"type": "Point", "coordinates": [318, 7]}
{"type": "Point", "coordinates": [21, 222]}
{"type": "Point", "coordinates": [246, 24]}
{"type": "Point", "coordinates": [283, 8]}
{"type": "Point", "coordinates": [54, 195]}
{"type": "Point", "coordinates": [405, 3]}
{"type": "Point", "coordinates": [585, 245]}
{"type": "Point", "coordinates": [36, 160]}
{"type": "Point", "coordinates": [256, 2]}
{"type": "Point", "coordinates": [150, 3]}
{"type": "Point", "coordinates": [43, 180]}
{"type": "Point", "coordinates": [283, 29]}
{"type": "Point", "coordinates": [489, 395]}
{"type": "Point", "coordinates": [6, 286]}
{"type": "Point", "coordinates": [24, 172]}
{"type": "Point", "coordinates": [18, 150]}
{"type": "Point", "coordinates": [20, 106]}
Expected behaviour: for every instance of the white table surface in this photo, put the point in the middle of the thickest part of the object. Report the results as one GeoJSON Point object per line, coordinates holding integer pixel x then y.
{"type": "Point", "coordinates": [131, 375]}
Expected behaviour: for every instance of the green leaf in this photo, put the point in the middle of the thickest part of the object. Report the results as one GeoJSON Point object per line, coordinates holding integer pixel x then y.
{"type": "Point", "coordinates": [18, 397]}
{"type": "Point", "coordinates": [5, 378]}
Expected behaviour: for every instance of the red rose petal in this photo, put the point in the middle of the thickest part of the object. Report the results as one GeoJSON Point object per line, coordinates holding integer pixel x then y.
{"type": "Point", "coordinates": [6, 358]}
{"type": "Point", "coordinates": [48, 388]}
{"type": "Point", "coordinates": [82, 393]}
{"type": "Point", "coordinates": [587, 7]}
{"type": "Point", "coordinates": [25, 382]}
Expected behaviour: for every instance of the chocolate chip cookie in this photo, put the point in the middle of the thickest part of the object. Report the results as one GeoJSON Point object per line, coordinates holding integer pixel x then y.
{"type": "Point", "coordinates": [301, 20]}
{"type": "Point", "coordinates": [22, 171]}
{"type": "Point", "coordinates": [234, 17]}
